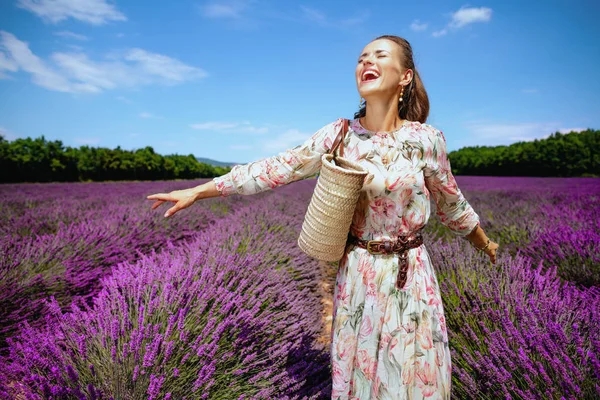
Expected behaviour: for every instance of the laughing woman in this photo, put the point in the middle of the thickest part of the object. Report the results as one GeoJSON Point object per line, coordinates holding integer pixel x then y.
{"type": "Point", "coordinates": [389, 338]}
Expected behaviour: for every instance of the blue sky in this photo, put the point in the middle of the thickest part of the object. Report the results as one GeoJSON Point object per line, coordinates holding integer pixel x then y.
{"type": "Point", "coordinates": [241, 80]}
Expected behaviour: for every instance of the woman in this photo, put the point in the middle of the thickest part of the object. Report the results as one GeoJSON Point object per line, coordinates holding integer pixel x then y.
{"type": "Point", "coordinates": [389, 338]}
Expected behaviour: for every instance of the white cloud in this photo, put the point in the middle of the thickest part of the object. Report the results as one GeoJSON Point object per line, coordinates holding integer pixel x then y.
{"type": "Point", "coordinates": [80, 68]}
{"type": "Point", "coordinates": [313, 14]}
{"type": "Point", "coordinates": [246, 14]}
{"type": "Point", "coordinates": [124, 99]}
{"type": "Point", "coordinates": [319, 17]}
{"type": "Point", "coordinates": [229, 9]}
{"type": "Point", "coordinates": [215, 126]}
{"type": "Point", "coordinates": [75, 47]}
{"type": "Point", "coordinates": [463, 17]}
{"type": "Point", "coordinates": [168, 68]}
{"type": "Point", "coordinates": [439, 33]}
{"type": "Point", "coordinates": [7, 135]}
{"type": "Point", "coordinates": [286, 140]}
{"type": "Point", "coordinates": [417, 26]}
{"type": "Point", "coordinates": [569, 130]}
{"type": "Point", "coordinates": [7, 62]}
{"type": "Point", "coordinates": [17, 53]}
{"type": "Point", "coordinates": [530, 91]}
{"type": "Point", "coordinates": [240, 147]}
{"type": "Point", "coordinates": [95, 12]}
{"type": "Point", "coordinates": [230, 127]}
{"type": "Point", "coordinates": [76, 73]}
{"type": "Point", "coordinates": [89, 141]}
{"type": "Point", "coordinates": [71, 35]}
{"type": "Point", "coordinates": [469, 15]}
{"type": "Point", "coordinates": [495, 134]}
{"type": "Point", "coordinates": [355, 20]}
{"type": "Point", "coordinates": [147, 115]}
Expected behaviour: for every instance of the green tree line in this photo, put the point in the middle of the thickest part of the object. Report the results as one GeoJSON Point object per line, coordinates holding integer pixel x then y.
{"type": "Point", "coordinates": [41, 160]}
{"type": "Point", "coordinates": [562, 155]}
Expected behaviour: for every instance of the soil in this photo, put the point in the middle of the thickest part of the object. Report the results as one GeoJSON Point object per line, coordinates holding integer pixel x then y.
{"type": "Point", "coordinates": [327, 287]}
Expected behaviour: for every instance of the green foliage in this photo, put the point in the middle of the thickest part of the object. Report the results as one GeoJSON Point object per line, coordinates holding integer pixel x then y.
{"type": "Point", "coordinates": [562, 155]}
{"type": "Point", "coordinates": [41, 160]}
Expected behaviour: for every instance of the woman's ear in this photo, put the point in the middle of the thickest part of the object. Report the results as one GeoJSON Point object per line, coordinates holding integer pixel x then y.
{"type": "Point", "coordinates": [407, 77]}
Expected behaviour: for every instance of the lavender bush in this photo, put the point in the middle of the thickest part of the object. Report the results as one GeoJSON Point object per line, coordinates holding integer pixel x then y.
{"type": "Point", "coordinates": [516, 329]}
{"type": "Point", "coordinates": [60, 239]}
{"type": "Point", "coordinates": [527, 327]}
{"type": "Point", "coordinates": [570, 237]}
{"type": "Point", "coordinates": [211, 318]}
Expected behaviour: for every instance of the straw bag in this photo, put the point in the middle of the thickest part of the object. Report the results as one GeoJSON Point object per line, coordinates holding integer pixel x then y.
{"type": "Point", "coordinates": [329, 216]}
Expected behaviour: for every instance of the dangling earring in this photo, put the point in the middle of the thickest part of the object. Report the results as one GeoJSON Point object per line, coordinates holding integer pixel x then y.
{"type": "Point", "coordinates": [401, 94]}
{"type": "Point", "coordinates": [362, 102]}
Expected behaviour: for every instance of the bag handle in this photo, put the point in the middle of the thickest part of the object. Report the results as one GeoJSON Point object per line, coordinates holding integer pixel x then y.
{"type": "Point", "coordinates": [339, 140]}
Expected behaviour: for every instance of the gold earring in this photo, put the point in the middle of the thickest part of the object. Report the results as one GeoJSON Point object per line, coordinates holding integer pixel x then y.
{"type": "Point", "coordinates": [361, 104]}
{"type": "Point", "coordinates": [401, 94]}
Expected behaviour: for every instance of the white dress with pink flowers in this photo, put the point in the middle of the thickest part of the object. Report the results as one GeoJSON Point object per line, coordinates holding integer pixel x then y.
{"type": "Point", "coordinates": [386, 343]}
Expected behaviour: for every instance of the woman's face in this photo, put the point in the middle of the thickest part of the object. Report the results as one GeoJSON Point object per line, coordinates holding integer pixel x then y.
{"type": "Point", "coordinates": [379, 71]}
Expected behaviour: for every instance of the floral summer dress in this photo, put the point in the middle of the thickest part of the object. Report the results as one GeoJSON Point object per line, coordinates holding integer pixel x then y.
{"type": "Point", "coordinates": [386, 343]}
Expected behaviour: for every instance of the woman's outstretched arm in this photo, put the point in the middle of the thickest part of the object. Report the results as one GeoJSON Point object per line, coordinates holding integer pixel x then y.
{"type": "Point", "coordinates": [291, 165]}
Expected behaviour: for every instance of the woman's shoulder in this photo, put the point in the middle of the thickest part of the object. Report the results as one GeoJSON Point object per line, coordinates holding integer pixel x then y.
{"type": "Point", "coordinates": [428, 132]}
{"type": "Point", "coordinates": [333, 126]}
{"type": "Point", "coordinates": [324, 137]}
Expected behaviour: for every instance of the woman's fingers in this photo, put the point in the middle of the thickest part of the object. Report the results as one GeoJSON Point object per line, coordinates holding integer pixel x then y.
{"type": "Point", "coordinates": [161, 196]}
{"type": "Point", "coordinates": [171, 211]}
{"type": "Point", "coordinates": [160, 199]}
{"type": "Point", "coordinates": [177, 207]}
{"type": "Point", "coordinates": [181, 198]}
{"type": "Point", "coordinates": [492, 253]}
{"type": "Point", "coordinates": [157, 203]}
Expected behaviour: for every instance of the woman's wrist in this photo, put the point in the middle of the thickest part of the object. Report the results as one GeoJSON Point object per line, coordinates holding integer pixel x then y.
{"type": "Point", "coordinates": [204, 191]}
{"type": "Point", "coordinates": [478, 237]}
{"type": "Point", "coordinates": [484, 248]}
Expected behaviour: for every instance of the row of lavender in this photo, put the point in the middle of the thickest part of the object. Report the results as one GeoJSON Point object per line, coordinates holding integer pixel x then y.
{"type": "Point", "coordinates": [529, 326]}
{"type": "Point", "coordinates": [210, 317]}
{"type": "Point", "coordinates": [232, 310]}
{"type": "Point", "coordinates": [61, 239]}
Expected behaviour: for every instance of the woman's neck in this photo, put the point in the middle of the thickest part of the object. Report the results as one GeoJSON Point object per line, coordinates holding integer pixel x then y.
{"type": "Point", "coordinates": [382, 116]}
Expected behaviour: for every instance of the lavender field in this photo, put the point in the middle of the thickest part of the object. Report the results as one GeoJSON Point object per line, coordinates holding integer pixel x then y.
{"type": "Point", "coordinates": [103, 298]}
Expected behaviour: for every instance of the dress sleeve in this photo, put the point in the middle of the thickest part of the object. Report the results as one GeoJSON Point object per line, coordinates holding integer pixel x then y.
{"type": "Point", "coordinates": [291, 165]}
{"type": "Point", "coordinates": [454, 210]}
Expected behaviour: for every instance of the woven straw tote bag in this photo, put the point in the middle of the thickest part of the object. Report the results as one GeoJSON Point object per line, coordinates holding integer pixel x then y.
{"type": "Point", "coordinates": [329, 216]}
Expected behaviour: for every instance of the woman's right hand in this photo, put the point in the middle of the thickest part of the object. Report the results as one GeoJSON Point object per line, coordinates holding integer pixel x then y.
{"type": "Point", "coordinates": [185, 198]}
{"type": "Point", "coordinates": [182, 199]}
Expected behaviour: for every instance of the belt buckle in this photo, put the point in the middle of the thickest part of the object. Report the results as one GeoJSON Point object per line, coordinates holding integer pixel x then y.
{"type": "Point", "coordinates": [369, 247]}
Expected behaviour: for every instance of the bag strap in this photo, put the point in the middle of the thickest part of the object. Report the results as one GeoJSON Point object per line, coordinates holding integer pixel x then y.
{"type": "Point", "coordinates": [339, 140]}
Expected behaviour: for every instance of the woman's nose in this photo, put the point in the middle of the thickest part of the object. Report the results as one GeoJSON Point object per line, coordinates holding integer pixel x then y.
{"type": "Point", "coordinates": [367, 60]}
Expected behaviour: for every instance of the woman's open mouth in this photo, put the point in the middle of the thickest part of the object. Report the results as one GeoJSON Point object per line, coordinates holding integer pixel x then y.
{"type": "Point", "coordinates": [369, 75]}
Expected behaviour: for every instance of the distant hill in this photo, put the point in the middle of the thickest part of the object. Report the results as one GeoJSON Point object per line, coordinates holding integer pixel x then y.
{"type": "Point", "coordinates": [215, 163]}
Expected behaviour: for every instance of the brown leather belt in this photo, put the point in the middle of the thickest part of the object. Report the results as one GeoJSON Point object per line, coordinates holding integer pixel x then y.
{"type": "Point", "coordinates": [399, 246]}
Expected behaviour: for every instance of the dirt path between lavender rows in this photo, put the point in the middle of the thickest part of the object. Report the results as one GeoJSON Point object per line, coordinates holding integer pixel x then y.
{"type": "Point", "coordinates": [326, 288]}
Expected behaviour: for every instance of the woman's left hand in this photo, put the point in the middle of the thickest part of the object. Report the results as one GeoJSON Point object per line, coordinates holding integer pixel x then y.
{"type": "Point", "coordinates": [491, 251]}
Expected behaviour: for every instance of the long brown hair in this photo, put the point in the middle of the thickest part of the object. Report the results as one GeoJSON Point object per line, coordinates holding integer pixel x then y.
{"type": "Point", "coordinates": [415, 102]}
